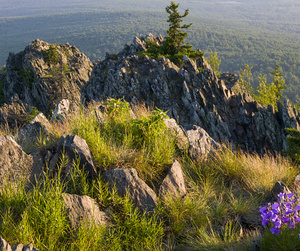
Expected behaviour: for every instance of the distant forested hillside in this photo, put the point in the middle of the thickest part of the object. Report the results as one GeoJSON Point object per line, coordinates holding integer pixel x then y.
{"type": "Point", "coordinates": [98, 33]}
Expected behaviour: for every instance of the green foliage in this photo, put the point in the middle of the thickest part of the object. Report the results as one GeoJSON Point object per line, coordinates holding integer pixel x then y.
{"type": "Point", "coordinates": [51, 56]}
{"type": "Point", "coordinates": [245, 80]}
{"type": "Point", "coordinates": [214, 62]}
{"type": "Point", "coordinates": [288, 239]}
{"type": "Point", "coordinates": [33, 112]}
{"type": "Point", "coordinates": [279, 82]}
{"type": "Point", "coordinates": [270, 94]}
{"type": "Point", "coordinates": [223, 194]}
{"type": "Point", "coordinates": [293, 141]}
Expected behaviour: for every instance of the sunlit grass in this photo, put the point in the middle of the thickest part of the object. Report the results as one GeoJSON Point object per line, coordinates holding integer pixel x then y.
{"type": "Point", "coordinates": [219, 211]}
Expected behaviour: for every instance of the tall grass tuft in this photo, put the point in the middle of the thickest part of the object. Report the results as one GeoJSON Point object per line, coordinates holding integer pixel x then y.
{"type": "Point", "coordinates": [118, 139]}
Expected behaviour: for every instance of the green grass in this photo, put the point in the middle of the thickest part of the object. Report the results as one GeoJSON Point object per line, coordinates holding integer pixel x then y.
{"type": "Point", "coordinates": [219, 212]}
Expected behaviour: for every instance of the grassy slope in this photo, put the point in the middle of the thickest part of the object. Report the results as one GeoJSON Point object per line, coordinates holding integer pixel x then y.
{"type": "Point", "coordinates": [220, 211]}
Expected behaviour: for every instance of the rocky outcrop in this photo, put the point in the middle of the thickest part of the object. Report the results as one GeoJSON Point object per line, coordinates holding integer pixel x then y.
{"type": "Point", "coordinates": [174, 183]}
{"type": "Point", "coordinates": [15, 164]}
{"type": "Point", "coordinates": [43, 74]}
{"type": "Point", "coordinates": [126, 181]}
{"type": "Point", "coordinates": [192, 95]}
{"type": "Point", "coordinates": [83, 209]}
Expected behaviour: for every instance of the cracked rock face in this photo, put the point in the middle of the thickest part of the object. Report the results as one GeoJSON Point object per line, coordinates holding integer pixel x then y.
{"type": "Point", "coordinates": [41, 82]}
{"type": "Point", "coordinates": [192, 95]}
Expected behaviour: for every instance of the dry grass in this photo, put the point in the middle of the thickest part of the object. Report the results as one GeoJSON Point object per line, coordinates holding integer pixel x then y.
{"type": "Point", "coordinates": [253, 172]}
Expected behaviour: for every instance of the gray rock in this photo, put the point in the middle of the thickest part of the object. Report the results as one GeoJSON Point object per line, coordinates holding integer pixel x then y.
{"type": "Point", "coordinates": [182, 139]}
{"type": "Point", "coordinates": [174, 183]}
{"type": "Point", "coordinates": [4, 245]}
{"type": "Point", "coordinates": [15, 164]}
{"type": "Point", "coordinates": [83, 209]}
{"type": "Point", "coordinates": [127, 181]}
{"type": "Point", "coordinates": [73, 146]}
{"type": "Point", "coordinates": [278, 188]}
{"type": "Point", "coordinates": [200, 142]}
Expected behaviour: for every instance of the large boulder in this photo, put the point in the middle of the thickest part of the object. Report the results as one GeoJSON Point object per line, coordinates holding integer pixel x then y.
{"type": "Point", "coordinates": [15, 164]}
{"type": "Point", "coordinates": [83, 209]}
{"type": "Point", "coordinates": [73, 147]}
{"type": "Point", "coordinates": [174, 183]}
{"type": "Point", "coordinates": [200, 142]}
{"type": "Point", "coordinates": [127, 181]}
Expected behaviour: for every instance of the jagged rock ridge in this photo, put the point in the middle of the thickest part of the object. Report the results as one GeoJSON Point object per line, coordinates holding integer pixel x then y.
{"type": "Point", "coordinates": [41, 82]}
{"type": "Point", "coordinates": [192, 95]}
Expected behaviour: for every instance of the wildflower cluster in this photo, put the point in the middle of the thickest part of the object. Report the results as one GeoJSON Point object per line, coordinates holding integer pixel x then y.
{"type": "Point", "coordinates": [286, 211]}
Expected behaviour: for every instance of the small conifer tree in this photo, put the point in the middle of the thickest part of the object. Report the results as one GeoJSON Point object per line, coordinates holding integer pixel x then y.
{"type": "Point", "coordinates": [174, 46]}
{"type": "Point", "coordinates": [214, 62]}
{"type": "Point", "coordinates": [245, 80]}
{"type": "Point", "coordinates": [175, 39]}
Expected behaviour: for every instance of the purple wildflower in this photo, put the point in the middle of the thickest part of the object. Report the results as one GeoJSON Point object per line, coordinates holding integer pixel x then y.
{"type": "Point", "coordinates": [275, 230]}
{"type": "Point", "coordinates": [291, 224]}
{"type": "Point", "coordinates": [263, 209]}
